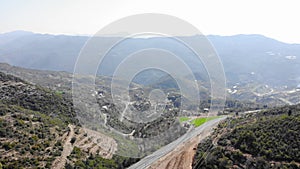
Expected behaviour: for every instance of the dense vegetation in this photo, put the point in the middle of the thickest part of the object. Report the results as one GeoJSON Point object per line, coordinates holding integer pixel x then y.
{"type": "Point", "coordinates": [268, 139]}
{"type": "Point", "coordinates": [275, 139]}
{"type": "Point", "coordinates": [15, 91]}
{"type": "Point", "coordinates": [97, 162]}
{"type": "Point", "coordinates": [28, 138]}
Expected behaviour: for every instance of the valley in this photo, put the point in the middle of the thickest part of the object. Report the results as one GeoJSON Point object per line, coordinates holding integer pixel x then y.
{"type": "Point", "coordinates": [149, 84]}
{"type": "Point", "coordinates": [42, 126]}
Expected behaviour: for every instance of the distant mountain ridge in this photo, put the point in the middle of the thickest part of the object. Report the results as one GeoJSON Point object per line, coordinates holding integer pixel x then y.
{"type": "Point", "coordinates": [40, 51]}
{"type": "Point", "coordinates": [246, 58]}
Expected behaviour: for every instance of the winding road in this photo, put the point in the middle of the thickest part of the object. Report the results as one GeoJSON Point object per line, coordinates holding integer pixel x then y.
{"type": "Point", "coordinates": [152, 158]}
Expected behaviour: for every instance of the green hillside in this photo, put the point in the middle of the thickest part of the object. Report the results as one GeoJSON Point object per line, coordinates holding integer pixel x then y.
{"type": "Point", "coordinates": [37, 123]}
{"type": "Point", "coordinates": [268, 139]}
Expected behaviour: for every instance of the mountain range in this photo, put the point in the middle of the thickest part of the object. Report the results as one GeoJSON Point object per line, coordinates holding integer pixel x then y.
{"type": "Point", "coordinates": [246, 58]}
{"type": "Point", "coordinates": [38, 127]}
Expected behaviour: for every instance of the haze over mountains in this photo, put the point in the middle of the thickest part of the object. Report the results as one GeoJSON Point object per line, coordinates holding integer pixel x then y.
{"type": "Point", "coordinates": [246, 58]}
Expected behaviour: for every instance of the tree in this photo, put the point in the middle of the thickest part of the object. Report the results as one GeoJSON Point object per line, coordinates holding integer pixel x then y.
{"type": "Point", "coordinates": [290, 112]}
{"type": "Point", "coordinates": [73, 139]}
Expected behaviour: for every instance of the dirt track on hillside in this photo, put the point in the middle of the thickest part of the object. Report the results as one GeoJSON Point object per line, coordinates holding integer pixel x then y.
{"type": "Point", "coordinates": [67, 149]}
{"type": "Point", "coordinates": [89, 141]}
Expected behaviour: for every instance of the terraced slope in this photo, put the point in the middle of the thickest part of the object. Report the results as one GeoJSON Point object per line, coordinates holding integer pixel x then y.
{"type": "Point", "coordinates": [38, 129]}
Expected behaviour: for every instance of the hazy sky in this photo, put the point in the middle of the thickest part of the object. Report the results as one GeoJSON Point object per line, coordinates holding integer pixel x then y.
{"type": "Point", "coordinates": [278, 19]}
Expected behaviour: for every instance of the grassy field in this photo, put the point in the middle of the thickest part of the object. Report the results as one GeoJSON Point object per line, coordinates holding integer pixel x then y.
{"type": "Point", "coordinates": [199, 121]}
{"type": "Point", "coordinates": [183, 119]}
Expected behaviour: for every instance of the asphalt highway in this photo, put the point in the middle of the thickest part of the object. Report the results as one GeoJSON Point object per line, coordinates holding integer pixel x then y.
{"type": "Point", "coordinates": [150, 159]}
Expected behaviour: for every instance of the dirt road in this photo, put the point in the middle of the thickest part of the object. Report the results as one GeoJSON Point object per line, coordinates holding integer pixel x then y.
{"type": "Point", "coordinates": [67, 149]}
{"type": "Point", "coordinates": [182, 156]}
